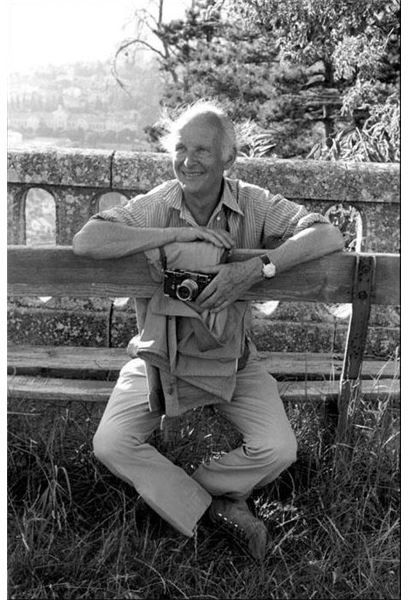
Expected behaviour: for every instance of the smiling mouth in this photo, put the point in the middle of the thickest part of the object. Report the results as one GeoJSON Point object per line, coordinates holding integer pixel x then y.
{"type": "Point", "coordinates": [192, 175]}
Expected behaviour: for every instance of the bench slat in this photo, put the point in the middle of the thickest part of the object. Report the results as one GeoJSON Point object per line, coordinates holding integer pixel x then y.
{"type": "Point", "coordinates": [58, 272]}
{"type": "Point", "coordinates": [78, 362]}
{"type": "Point", "coordinates": [316, 365]}
{"type": "Point", "coordinates": [65, 358]}
{"type": "Point", "coordinates": [42, 389]}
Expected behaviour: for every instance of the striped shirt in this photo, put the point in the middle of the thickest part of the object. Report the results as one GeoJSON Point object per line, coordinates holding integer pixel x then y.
{"type": "Point", "coordinates": [254, 216]}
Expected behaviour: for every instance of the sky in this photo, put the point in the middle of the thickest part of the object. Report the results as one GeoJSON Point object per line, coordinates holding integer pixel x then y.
{"type": "Point", "coordinates": [42, 32]}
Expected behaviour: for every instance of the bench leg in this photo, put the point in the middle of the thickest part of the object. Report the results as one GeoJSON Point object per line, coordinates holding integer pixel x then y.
{"type": "Point", "coordinates": [364, 276]}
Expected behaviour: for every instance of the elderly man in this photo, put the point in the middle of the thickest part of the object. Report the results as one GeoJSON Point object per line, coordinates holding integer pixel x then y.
{"type": "Point", "coordinates": [198, 352]}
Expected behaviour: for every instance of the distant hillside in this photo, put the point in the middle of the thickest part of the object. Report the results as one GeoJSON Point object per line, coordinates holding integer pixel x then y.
{"type": "Point", "coordinates": [82, 105]}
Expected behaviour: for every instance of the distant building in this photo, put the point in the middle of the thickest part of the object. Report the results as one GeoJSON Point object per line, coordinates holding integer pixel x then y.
{"type": "Point", "coordinates": [14, 138]}
{"type": "Point", "coordinates": [33, 122]}
{"type": "Point", "coordinates": [72, 97]}
{"type": "Point", "coordinates": [79, 122]}
{"type": "Point", "coordinates": [59, 118]}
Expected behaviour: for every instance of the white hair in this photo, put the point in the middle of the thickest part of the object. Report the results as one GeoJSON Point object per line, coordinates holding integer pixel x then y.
{"type": "Point", "coordinates": [201, 108]}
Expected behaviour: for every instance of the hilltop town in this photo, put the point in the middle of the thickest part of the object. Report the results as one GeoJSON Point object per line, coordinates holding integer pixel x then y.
{"type": "Point", "coordinates": [82, 105]}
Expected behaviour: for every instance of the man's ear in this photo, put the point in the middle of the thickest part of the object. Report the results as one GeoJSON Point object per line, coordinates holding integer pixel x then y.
{"type": "Point", "coordinates": [230, 162]}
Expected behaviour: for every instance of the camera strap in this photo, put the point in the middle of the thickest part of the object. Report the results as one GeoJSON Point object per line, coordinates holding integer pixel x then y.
{"type": "Point", "coordinates": [163, 258]}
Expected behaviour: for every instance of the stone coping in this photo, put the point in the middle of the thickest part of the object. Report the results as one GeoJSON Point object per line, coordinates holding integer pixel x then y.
{"type": "Point", "coordinates": [141, 171]}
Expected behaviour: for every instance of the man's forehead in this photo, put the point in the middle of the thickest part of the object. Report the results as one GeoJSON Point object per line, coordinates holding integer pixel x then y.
{"type": "Point", "coordinates": [202, 125]}
{"type": "Point", "coordinates": [202, 120]}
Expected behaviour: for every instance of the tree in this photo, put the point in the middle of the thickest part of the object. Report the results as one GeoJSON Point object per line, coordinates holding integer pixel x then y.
{"type": "Point", "coordinates": [354, 49]}
{"type": "Point", "coordinates": [294, 74]}
{"type": "Point", "coordinates": [205, 56]}
{"type": "Point", "coordinates": [151, 34]}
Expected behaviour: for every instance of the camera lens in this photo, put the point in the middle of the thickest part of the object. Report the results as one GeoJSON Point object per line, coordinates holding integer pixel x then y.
{"type": "Point", "coordinates": [186, 290]}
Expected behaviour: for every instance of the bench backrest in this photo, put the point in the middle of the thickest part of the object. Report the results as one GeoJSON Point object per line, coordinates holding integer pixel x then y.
{"type": "Point", "coordinates": [58, 272]}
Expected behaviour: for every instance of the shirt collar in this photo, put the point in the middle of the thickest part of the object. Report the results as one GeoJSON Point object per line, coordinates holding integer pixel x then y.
{"type": "Point", "coordinates": [228, 199]}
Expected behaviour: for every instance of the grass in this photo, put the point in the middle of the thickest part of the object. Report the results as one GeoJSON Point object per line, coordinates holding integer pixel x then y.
{"type": "Point", "coordinates": [77, 532]}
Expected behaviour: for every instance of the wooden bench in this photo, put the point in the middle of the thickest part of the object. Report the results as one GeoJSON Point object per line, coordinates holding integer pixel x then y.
{"type": "Point", "coordinates": [68, 373]}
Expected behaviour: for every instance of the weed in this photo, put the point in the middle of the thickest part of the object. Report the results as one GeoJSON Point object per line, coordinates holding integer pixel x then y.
{"type": "Point", "coordinates": [76, 531]}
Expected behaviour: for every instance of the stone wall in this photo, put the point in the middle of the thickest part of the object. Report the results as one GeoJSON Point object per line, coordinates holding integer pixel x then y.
{"type": "Point", "coordinates": [364, 198]}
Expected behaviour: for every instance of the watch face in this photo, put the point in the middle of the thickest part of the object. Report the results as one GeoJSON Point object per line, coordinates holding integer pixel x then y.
{"type": "Point", "coordinates": [269, 270]}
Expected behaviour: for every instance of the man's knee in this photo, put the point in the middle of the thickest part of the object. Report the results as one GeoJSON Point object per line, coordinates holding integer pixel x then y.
{"type": "Point", "coordinates": [285, 452]}
{"type": "Point", "coordinates": [107, 444]}
{"type": "Point", "coordinates": [279, 453]}
{"type": "Point", "coordinates": [101, 445]}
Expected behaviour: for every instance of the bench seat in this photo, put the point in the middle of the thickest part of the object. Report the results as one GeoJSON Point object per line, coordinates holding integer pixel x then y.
{"type": "Point", "coordinates": [50, 388]}
{"type": "Point", "coordinates": [87, 373]}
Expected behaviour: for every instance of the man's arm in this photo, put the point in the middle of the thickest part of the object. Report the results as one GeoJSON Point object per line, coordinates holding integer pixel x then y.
{"type": "Point", "coordinates": [100, 239]}
{"type": "Point", "coordinates": [315, 241]}
{"type": "Point", "coordinates": [236, 278]}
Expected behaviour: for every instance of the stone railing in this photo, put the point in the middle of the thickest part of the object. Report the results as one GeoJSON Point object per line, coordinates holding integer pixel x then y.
{"type": "Point", "coordinates": [53, 192]}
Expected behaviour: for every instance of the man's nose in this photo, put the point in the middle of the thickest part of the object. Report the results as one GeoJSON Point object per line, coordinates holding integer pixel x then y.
{"type": "Point", "coordinates": [189, 159]}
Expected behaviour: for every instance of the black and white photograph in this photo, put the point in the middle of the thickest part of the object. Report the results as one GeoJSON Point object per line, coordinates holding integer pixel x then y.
{"type": "Point", "coordinates": [203, 300]}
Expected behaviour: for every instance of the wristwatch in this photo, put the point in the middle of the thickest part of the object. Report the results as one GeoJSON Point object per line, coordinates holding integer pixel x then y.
{"type": "Point", "coordinates": [268, 268]}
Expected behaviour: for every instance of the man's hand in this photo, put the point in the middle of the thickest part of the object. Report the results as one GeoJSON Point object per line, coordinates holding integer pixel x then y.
{"type": "Point", "coordinates": [133, 346]}
{"type": "Point", "coordinates": [218, 237]}
{"type": "Point", "coordinates": [231, 282]}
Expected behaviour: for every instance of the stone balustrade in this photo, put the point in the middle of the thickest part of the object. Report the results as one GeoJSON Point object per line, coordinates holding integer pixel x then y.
{"type": "Point", "coordinates": [53, 192]}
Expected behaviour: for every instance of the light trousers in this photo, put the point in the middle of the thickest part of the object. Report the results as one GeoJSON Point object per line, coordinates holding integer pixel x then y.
{"type": "Point", "coordinates": [256, 411]}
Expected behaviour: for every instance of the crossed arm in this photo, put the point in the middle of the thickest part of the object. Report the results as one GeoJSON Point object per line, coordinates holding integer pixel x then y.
{"type": "Point", "coordinates": [103, 239]}
{"type": "Point", "coordinates": [236, 278]}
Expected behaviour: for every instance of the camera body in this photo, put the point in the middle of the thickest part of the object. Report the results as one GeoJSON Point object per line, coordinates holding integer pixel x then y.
{"type": "Point", "coordinates": [184, 285]}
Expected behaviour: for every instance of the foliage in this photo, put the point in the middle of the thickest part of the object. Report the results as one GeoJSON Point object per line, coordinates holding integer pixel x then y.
{"type": "Point", "coordinates": [76, 531]}
{"type": "Point", "coordinates": [206, 56]}
{"type": "Point", "coordinates": [305, 72]}
{"type": "Point", "coordinates": [358, 48]}
{"type": "Point", "coordinates": [377, 141]}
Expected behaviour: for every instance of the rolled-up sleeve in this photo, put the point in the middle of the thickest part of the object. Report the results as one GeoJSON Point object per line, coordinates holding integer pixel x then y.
{"type": "Point", "coordinates": [131, 214]}
{"type": "Point", "coordinates": [308, 220]}
{"type": "Point", "coordinates": [284, 218]}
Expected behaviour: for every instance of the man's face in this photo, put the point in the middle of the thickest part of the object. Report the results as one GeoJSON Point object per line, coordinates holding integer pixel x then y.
{"type": "Point", "coordinates": [197, 157]}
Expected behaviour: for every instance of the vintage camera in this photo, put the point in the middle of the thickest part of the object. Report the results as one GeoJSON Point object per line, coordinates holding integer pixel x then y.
{"type": "Point", "coordinates": [184, 285]}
